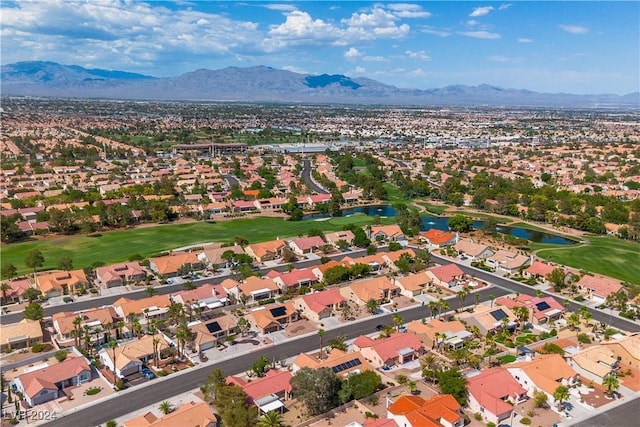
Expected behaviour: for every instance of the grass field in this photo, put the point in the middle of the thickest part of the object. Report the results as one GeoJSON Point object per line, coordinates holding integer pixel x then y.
{"type": "Point", "coordinates": [604, 255]}
{"type": "Point", "coordinates": [434, 209]}
{"type": "Point", "coordinates": [118, 246]}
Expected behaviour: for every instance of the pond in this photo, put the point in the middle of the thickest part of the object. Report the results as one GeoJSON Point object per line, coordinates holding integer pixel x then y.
{"type": "Point", "coordinates": [441, 223]}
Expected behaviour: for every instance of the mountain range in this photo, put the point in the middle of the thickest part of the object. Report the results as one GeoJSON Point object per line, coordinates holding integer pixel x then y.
{"type": "Point", "coordinates": [266, 84]}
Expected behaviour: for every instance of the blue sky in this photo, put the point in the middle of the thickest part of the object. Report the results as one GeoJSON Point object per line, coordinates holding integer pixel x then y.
{"type": "Point", "coordinates": [573, 47]}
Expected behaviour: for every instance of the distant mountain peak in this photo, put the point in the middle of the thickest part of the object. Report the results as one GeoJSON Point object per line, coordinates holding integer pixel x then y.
{"type": "Point", "coordinates": [267, 84]}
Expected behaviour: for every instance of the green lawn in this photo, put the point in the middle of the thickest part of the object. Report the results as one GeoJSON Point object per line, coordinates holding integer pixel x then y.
{"type": "Point", "coordinates": [434, 209]}
{"type": "Point", "coordinates": [118, 246]}
{"type": "Point", "coordinates": [604, 255]}
{"type": "Point", "coordinates": [395, 196]}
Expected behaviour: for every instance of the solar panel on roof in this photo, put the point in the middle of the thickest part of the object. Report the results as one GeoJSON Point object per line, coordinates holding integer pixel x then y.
{"type": "Point", "coordinates": [213, 327]}
{"type": "Point", "coordinates": [347, 365]}
{"type": "Point", "coordinates": [499, 314]}
{"type": "Point", "coordinates": [278, 311]}
{"type": "Point", "coordinates": [542, 306]}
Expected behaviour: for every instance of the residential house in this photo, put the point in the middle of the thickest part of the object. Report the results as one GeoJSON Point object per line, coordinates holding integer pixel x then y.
{"type": "Point", "coordinates": [489, 319]}
{"type": "Point", "coordinates": [438, 239]}
{"type": "Point", "coordinates": [341, 362]}
{"type": "Point", "coordinates": [538, 270]}
{"type": "Point", "coordinates": [186, 415]}
{"type": "Point", "coordinates": [23, 334]}
{"type": "Point", "coordinates": [306, 245]}
{"type": "Point", "coordinates": [317, 199]}
{"type": "Point", "coordinates": [145, 309]}
{"type": "Point", "coordinates": [541, 309]}
{"type": "Point", "coordinates": [446, 276]}
{"type": "Point", "coordinates": [266, 251]}
{"type": "Point", "coordinates": [441, 410]}
{"type": "Point", "coordinates": [397, 349]}
{"type": "Point", "coordinates": [508, 261]}
{"type": "Point", "coordinates": [319, 270]}
{"type": "Point", "coordinates": [319, 305]}
{"type": "Point", "coordinates": [378, 288]}
{"type": "Point", "coordinates": [391, 232]}
{"type": "Point", "coordinates": [59, 283]}
{"type": "Point", "coordinates": [598, 288]}
{"type": "Point", "coordinates": [545, 372]}
{"type": "Point", "coordinates": [390, 258]}
{"type": "Point", "coordinates": [273, 318]}
{"type": "Point", "coordinates": [132, 355]}
{"type": "Point", "coordinates": [170, 265]}
{"type": "Point", "coordinates": [595, 363]}
{"type": "Point", "coordinates": [493, 394]}
{"type": "Point", "coordinates": [289, 281]}
{"type": "Point", "coordinates": [101, 322]}
{"type": "Point", "coordinates": [337, 236]}
{"type": "Point", "coordinates": [412, 284]}
{"type": "Point", "coordinates": [269, 392]}
{"type": "Point", "coordinates": [627, 349]}
{"type": "Point", "coordinates": [377, 261]}
{"type": "Point", "coordinates": [17, 292]}
{"type": "Point", "coordinates": [254, 288]}
{"type": "Point", "coordinates": [213, 332]}
{"type": "Point", "coordinates": [203, 298]}
{"type": "Point", "coordinates": [435, 332]}
{"type": "Point", "coordinates": [213, 255]}
{"type": "Point", "coordinates": [473, 251]}
{"type": "Point", "coordinates": [114, 275]}
{"type": "Point", "coordinates": [43, 384]}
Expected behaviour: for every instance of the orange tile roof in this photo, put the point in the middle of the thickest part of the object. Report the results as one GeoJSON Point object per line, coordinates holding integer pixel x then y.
{"type": "Point", "coordinates": [437, 237]}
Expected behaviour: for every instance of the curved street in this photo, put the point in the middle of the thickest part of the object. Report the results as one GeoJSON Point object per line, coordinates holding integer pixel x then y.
{"type": "Point", "coordinates": [306, 177]}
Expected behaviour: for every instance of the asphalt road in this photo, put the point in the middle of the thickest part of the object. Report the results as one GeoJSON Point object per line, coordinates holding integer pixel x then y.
{"type": "Point", "coordinates": [165, 387]}
{"type": "Point", "coordinates": [306, 177]}
{"type": "Point", "coordinates": [625, 415]}
{"type": "Point", "coordinates": [231, 180]}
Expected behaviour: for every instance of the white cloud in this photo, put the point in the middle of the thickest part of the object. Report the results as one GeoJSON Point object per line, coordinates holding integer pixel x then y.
{"type": "Point", "coordinates": [299, 24]}
{"type": "Point", "coordinates": [435, 32]}
{"type": "Point", "coordinates": [498, 58]}
{"type": "Point", "coordinates": [504, 6]}
{"type": "Point", "coordinates": [481, 11]}
{"type": "Point", "coordinates": [472, 23]}
{"type": "Point", "coordinates": [420, 54]}
{"type": "Point", "coordinates": [281, 7]}
{"type": "Point", "coordinates": [481, 35]}
{"type": "Point", "coordinates": [202, 21]}
{"type": "Point", "coordinates": [525, 40]}
{"type": "Point", "coordinates": [418, 72]}
{"type": "Point", "coordinates": [352, 53]}
{"type": "Point", "coordinates": [574, 29]}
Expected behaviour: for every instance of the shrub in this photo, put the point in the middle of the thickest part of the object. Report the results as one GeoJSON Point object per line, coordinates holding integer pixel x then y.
{"type": "Point", "coordinates": [491, 424]}
{"type": "Point", "coordinates": [266, 301]}
{"type": "Point", "coordinates": [94, 390]}
{"type": "Point", "coordinates": [554, 332]}
{"type": "Point", "coordinates": [526, 421]}
{"type": "Point", "coordinates": [119, 385]}
{"type": "Point", "coordinates": [162, 373]}
{"type": "Point", "coordinates": [370, 415]}
{"type": "Point", "coordinates": [584, 338]}
{"type": "Point", "coordinates": [111, 423]}
{"type": "Point", "coordinates": [67, 299]}
{"type": "Point", "coordinates": [93, 290]}
{"type": "Point", "coordinates": [60, 355]}
{"type": "Point", "coordinates": [37, 348]}
{"type": "Point", "coordinates": [477, 416]}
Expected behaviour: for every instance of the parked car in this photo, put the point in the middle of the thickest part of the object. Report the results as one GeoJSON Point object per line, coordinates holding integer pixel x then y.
{"type": "Point", "coordinates": [147, 373]}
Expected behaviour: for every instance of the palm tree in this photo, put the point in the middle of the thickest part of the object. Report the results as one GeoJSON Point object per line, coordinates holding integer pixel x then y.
{"type": "Point", "coordinates": [477, 299]}
{"type": "Point", "coordinates": [188, 285]}
{"type": "Point", "coordinates": [271, 419]}
{"type": "Point", "coordinates": [433, 306]}
{"type": "Point", "coordinates": [77, 321]}
{"type": "Point", "coordinates": [612, 383]}
{"type": "Point", "coordinates": [166, 407]}
{"type": "Point", "coordinates": [586, 315]}
{"type": "Point", "coordinates": [492, 298]}
{"type": "Point", "coordinates": [112, 345]}
{"type": "Point", "coordinates": [573, 320]}
{"type": "Point", "coordinates": [397, 320]}
{"type": "Point", "coordinates": [522, 313]}
{"type": "Point", "coordinates": [372, 305]}
{"type": "Point", "coordinates": [560, 395]}
{"type": "Point", "coordinates": [150, 291]}
{"type": "Point", "coordinates": [430, 366]}
{"type": "Point", "coordinates": [386, 331]}
{"type": "Point", "coordinates": [412, 386]}
{"type": "Point", "coordinates": [130, 317]}
{"type": "Point", "coordinates": [107, 328]}
{"type": "Point", "coordinates": [345, 312]}
{"type": "Point", "coordinates": [444, 306]}
{"type": "Point", "coordinates": [5, 288]}
{"type": "Point", "coordinates": [320, 335]}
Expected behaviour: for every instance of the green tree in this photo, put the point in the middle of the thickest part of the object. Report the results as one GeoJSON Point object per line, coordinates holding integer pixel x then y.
{"type": "Point", "coordinates": [372, 306]}
{"type": "Point", "coordinates": [260, 366]}
{"type": "Point", "coordinates": [150, 291]}
{"type": "Point", "coordinates": [210, 387]}
{"type": "Point", "coordinates": [236, 409]}
{"type": "Point", "coordinates": [612, 383]}
{"type": "Point", "coordinates": [360, 385]}
{"type": "Point", "coordinates": [271, 419]}
{"type": "Point", "coordinates": [317, 388]}
{"type": "Point", "coordinates": [9, 271]}
{"type": "Point", "coordinates": [321, 333]}
{"type": "Point", "coordinates": [32, 294]}
{"type": "Point", "coordinates": [34, 260]}
{"type": "Point", "coordinates": [360, 238]}
{"type": "Point", "coordinates": [540, 398]}
{"type": "Point", "coordinates": [243, 326]}
{"type": "Point", "coordinates": [33, 311]}
{"type": "Point", "coordinates": [65, 263]}
{"type": "Point", "coordinates": [397, 320]}
{"type": "Point", "coordinates": [556, 278]}
{"type": "Point", "coordinates": [60, 355]}
{"type": "Point", "coordinates": [454, 383]}
{"type": "Point", "coordinates": [338, 343]}
{"type": "Point", "coordinates": [460, 223]}
{"type": "Point", "coordinates": [165, 407]}
{"type": "Point", "coordinates": [560, 395]}
{"type": "Point", "coordinates": [112, 345]}
{"type": "Point", "coordinates": [5, 288]}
